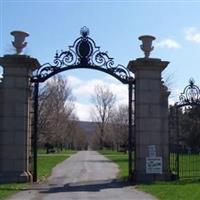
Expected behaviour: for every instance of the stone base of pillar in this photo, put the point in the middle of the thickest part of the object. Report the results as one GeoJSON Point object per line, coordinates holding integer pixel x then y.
{"type": "Point", "coordinates": [141, 177]}
{"type": "Point", "coordinates": [15, 177]}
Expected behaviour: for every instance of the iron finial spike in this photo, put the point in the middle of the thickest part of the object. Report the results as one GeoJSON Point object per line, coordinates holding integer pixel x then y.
{"type": "Point", "coordinates": [84, 31]}
{"type": "Point", "coordinates": [191, 82]}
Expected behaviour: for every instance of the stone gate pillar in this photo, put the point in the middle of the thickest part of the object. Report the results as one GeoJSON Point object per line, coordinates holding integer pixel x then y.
{"type": "Point", "coordinates": [151, 114]}
{"type": "Point", "coordinates": [15, 118]}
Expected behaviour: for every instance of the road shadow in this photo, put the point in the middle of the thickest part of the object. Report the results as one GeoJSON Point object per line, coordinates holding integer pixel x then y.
{"type": "Point", "coordinates": [99, 161]}
{"type": "Point", "coordinates": [108, 161]}
{"type": "Point", "coordinates": [89, 186]}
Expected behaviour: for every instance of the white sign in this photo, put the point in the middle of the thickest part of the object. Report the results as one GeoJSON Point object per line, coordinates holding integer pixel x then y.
{"type": "Point", "coordinates": [154, 165]}
{"type": "Point", "coordinates": [152, 151]}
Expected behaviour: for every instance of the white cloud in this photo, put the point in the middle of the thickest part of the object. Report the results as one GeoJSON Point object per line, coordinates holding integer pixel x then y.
{"type": "Point", "coordinates": [74, 81]}
{"type": "Point", "coordinates": [120, 90]}
{"type": "Point", "coordinates": [192, 34]}
{"type": "Point", "coordinates": [83, 111]}
{"type": "Point", "coordinates": [168, 43]}
{"type": "Point", "coordinates": [83, 90]}
{"type": "Point", "coordinates": [87, 87]}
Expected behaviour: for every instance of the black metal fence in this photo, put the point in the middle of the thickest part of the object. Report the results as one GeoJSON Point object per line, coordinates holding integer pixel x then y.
{"type": "Point", "coordinates": [184, 130]}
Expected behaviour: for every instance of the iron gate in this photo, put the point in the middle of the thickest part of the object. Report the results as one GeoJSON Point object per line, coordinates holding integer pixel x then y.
{"type": "Point", "coordinates": [184, 126]}
{"type": "Point", "coordinates": [84, 54]}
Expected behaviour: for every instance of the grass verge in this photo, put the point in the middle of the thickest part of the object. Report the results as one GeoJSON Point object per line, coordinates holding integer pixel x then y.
{"type": "Point", "coordinates": [9, 189]}
{"type": "Point", "coordinates": [176, 190]}
{"type": "Point", "coordinates": [45, 165]}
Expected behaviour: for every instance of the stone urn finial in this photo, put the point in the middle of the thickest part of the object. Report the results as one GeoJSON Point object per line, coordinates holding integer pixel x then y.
{"type": "Point", "coordinates": [146, 45]}
{"type": "Point", "coordinates": [19, 38]}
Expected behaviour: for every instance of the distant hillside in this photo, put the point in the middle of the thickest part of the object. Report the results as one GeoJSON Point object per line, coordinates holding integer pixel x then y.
{"type": "Point", "coordinates": [88, 127]}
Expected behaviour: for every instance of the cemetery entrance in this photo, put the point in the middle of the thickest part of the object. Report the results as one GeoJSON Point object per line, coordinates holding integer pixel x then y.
{"type": "Point", "coordinates": [84, 54]}
{"type": "Point", "coordinates": [148, 142]}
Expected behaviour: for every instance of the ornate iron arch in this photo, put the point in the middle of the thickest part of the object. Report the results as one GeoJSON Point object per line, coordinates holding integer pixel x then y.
{"type": "Point", "coordinates": [82, 54]}
{"type": "Point", "coordinates": [190, 95]}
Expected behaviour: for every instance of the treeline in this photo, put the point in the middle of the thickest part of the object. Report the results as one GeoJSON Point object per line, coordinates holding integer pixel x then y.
{"type": "Point", "coordinates": [58, 123]}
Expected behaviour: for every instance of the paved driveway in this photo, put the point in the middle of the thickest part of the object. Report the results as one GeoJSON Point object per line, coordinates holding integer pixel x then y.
{"type": "Point", "coordinates": [86, 175]}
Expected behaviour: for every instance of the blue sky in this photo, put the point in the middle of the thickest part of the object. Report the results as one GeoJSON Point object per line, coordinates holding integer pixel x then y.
{"type": "Point", "coordinates": [115, 26]}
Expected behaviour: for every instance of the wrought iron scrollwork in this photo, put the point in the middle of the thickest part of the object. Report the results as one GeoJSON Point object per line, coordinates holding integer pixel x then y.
{"type": "Point", "coordinates": [190, 95]}
{"type": "Point", "coordinates": [82, 54]}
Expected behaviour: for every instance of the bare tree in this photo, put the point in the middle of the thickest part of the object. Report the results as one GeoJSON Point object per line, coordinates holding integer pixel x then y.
{"type": "Point", "coordinates": [55, 111]}
{"type": "Point", "coordinates": [104, 102]}
{"type": "Point", "coordinates": [120, 127]}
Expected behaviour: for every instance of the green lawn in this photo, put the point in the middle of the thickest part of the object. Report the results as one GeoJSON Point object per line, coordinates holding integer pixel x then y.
{"type": "Point", "coordinates": [64, 151]}
{"type": "Point", "coordinates": [45, 165]}
{"type": "Point", "coordinates": [189, 165]}
{"type": "Point", "coordinates": [8, 189]}
{"type": "Point", "coordinates": [176, 190]}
